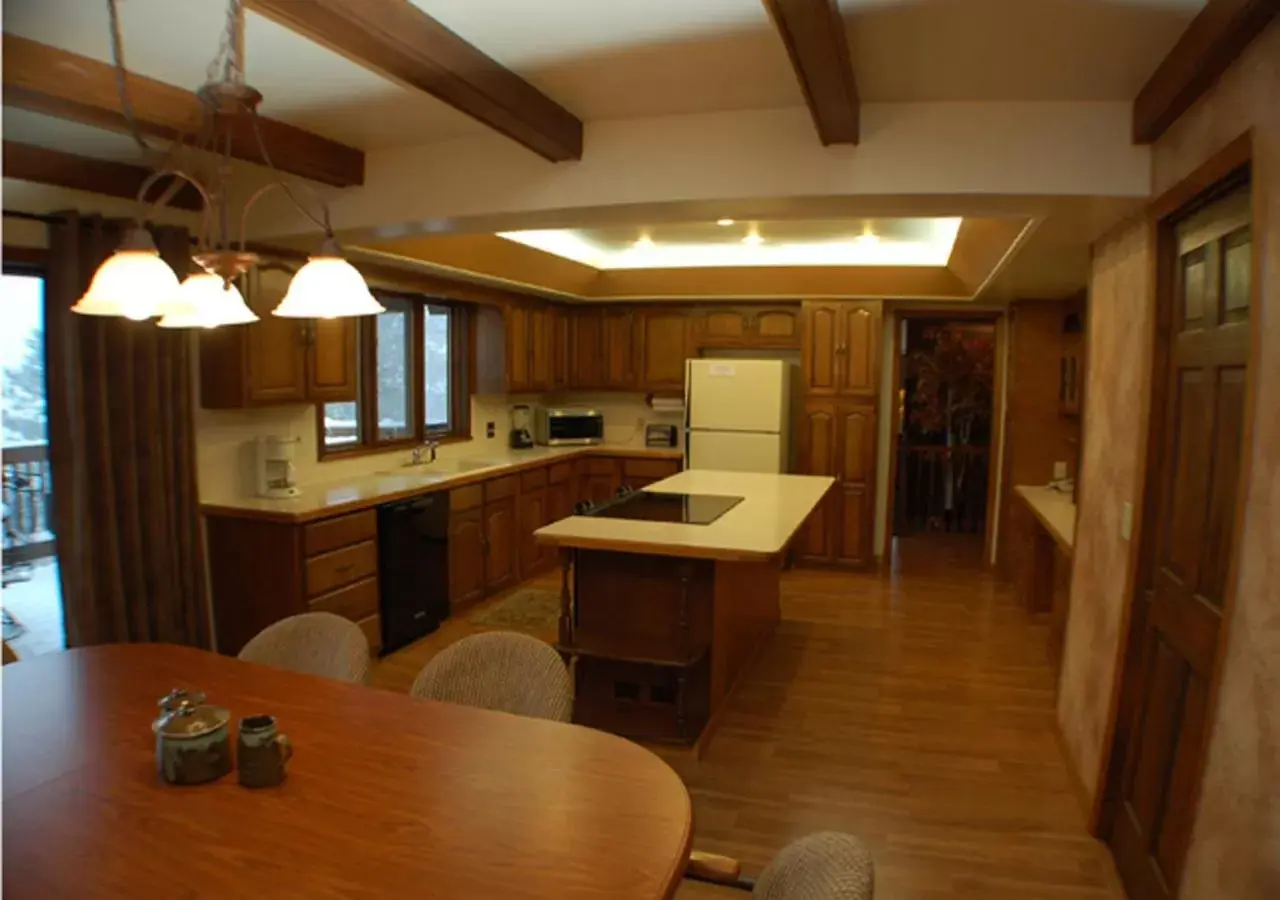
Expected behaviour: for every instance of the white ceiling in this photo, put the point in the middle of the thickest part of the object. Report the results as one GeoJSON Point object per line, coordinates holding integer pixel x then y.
{"type": "Point", "coordinates": [632, 58]}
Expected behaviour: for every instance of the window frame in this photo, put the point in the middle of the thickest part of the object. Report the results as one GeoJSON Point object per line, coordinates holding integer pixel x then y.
{"type": "Point", "coordinates": [459, 428]}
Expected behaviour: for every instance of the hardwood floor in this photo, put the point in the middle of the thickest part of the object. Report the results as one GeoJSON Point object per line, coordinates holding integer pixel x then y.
{"type": "Point", "coordinates": [914, 709]}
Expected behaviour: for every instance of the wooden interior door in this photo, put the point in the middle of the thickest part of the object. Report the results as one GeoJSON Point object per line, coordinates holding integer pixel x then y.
{"type": "Point", "coordinates": [1187, 555]}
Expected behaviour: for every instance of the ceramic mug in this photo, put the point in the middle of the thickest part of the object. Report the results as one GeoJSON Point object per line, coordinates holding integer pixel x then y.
{"type": "Point", "coordinates": [262, 752]}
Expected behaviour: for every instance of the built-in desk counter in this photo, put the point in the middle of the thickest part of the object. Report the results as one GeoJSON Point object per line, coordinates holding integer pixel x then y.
{"type": "Point", "coordinates": [1046, 527]}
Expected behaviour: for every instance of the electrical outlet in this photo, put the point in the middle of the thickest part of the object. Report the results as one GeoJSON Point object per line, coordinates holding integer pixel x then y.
{"type": "Point", "coordinates": [1126, 521]}
{"type": "Point", "coordinates": [1059, 471]}
{"type": "Point", "coordinates": [490, 429]}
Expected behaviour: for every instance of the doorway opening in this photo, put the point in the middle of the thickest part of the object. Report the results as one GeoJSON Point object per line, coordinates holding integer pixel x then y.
{"type": "Point", "coordinates": [31, 596]}
{"type": "Point", "coordinates": [943, 425]}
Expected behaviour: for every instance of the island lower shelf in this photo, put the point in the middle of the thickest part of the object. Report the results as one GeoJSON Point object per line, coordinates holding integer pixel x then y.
{"type": "Point", "coordinates": [659, 642]}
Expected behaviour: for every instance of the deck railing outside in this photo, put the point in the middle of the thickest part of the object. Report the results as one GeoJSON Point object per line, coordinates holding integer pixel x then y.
{"type": "Point", "coordinates": [28, 503]}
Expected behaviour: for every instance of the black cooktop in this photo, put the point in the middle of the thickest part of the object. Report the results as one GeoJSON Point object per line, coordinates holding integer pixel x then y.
{"type": "Point", "coordinates": [655, 506]}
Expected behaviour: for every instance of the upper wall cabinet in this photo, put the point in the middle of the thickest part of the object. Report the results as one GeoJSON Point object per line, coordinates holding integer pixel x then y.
{"type": "Point", "coordinates": [516, 348]}
{"type": "Point", "coordinates": [663, 348]}
{"type": "Point", "coordinates": [840, 348]}
{"type": "Point", "coordinates": [746, 326]}
{"type": "Point", "coordinates": [276, 361]}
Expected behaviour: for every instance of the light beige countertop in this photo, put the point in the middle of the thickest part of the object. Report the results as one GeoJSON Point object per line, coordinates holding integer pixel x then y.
{"type": "Point", "coordinates": [761, 526]}
{"type": "Point", "coordinates": [397, 482]}
{"type": "Point", "coordinates": [1055, 511]}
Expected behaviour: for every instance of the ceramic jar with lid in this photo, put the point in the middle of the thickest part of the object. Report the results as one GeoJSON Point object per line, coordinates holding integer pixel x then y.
{"type": "Point", "coordinates": [193, 745]}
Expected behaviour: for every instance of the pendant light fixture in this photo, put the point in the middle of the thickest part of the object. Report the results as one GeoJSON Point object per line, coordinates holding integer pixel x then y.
{"type": "Point", "coordinates": [136, 283]}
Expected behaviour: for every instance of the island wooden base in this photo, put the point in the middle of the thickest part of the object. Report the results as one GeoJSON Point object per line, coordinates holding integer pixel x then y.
{"type": "Point", "coordinates": [659, 643]}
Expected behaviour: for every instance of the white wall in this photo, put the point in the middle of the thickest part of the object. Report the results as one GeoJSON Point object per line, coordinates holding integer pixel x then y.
{"type": "Point", "coordinates": [911, 149]}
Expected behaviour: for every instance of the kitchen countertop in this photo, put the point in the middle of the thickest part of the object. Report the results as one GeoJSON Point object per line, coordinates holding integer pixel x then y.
{"type": "Point", "coordinates": [397, 482]}
{"type": "Point", "coordinates": [1055, 511]}
{"type": "Point", "coordinates": [760, 527]}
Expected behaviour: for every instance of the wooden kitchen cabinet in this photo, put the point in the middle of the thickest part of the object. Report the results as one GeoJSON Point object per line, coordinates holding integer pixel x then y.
{"type": "Point", "coordinates": [640, 473]}
{"type": "Point", "coordinates": [561, 349]}
{"type": "Point", "coordinates": [533, 515]}
{"type": "Point", "coordinates": [501, 535]}
{"type": "Point", "coordinates": [601, 478]}
{"type": "Point", "coordinates": [746, 327]}
{"type": "Point", "coordinates": [617, 349]}
{"type": "Point", "coordinates": [586, 354]}
{"type": "Point", "coordinates": [541, 350]}
{"type": "Point", "coordinates": [514, 348]}
{"type": "Point", "coordinates": [839, 440]}
{"type": "Point", "coordinates": [840, 348]}
{"type": "Point", "coordinates": [662, 349]}
{"type": "Point", "coordinates": [276, 361]}
{"type": "Point", "coordinates": [466, 556]}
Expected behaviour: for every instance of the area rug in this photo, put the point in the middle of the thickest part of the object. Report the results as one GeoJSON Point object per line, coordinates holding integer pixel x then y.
{"type": "Point", "coordinates": [528, 609]}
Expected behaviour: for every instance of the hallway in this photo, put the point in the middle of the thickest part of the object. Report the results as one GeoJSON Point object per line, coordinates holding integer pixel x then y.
{"type": "Point", "coordinates": [914, 709]}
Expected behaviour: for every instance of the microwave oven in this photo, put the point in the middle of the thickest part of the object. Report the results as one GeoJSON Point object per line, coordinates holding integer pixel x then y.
{"type": "Point", "coordinates": [569, 427]}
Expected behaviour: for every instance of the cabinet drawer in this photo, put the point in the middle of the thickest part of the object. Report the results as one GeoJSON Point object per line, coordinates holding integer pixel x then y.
{"type": "Point", "coordinates": [594, 465]}
{"type": "Point", "coordinates": [533, 479]}
{"type": "Point", "coordinates": [560, 472]}
{"type": "Point", "coordinates": [332, 570]}
{"type": "Point", "coordinates": [501, 488]}
{"type": "Point", "coordinates": [650, 468]}
{"type": "Point", "coordinates": [469, 497]}
{"type": "Point", "coordinates": [330, 534]}
{"type": "Point", "coordinates": [372, 628]}
{"type": "Point", "coordinates": [355, 601]}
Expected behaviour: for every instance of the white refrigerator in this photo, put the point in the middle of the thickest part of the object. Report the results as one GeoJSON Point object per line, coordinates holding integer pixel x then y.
{"type": "Point", "coordinates": [737, 414]}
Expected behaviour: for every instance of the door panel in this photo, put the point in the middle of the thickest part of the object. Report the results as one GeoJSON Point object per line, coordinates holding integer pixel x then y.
{"type": "Point", "coordinates": [466, 557]}
{"type": "Point", "coordinates": [818, 351]}
{"type": "Point", "coordinates": [331, 364]}
{"type": "Point", "coordinates": [1189, 551]}
{"type": "Point", "coordinates": [722, 326]}
{"type": "Point", "coordinates": [857, 448]}
{"type": "Point", "coordinates": [858, 349]}
{"type": "Point", "coordinates": [857, 436]}
{"type": "Point", "coordinates": [587, 341]}
{"type": "Point", "coordinates": [663, 341]}
{"type": "Point", "coordinates": [501, 544]}
{"type": "Point", "coordinates": [618, 351]}
{"type": "Point", "coordinates": [776, 327]}
{"type": "Point", "coordinates": [818, 457]}
{"type": "Point", "coordinates": [730, 451]}
{"type": "Point", "coordinates": [533, 515]}
{"type": "Point", "coordinates": [517, 327]}
{"type": "Point", "coordinates": [854, 542]}
{"type": "Point", "coordinates": [541, 352]}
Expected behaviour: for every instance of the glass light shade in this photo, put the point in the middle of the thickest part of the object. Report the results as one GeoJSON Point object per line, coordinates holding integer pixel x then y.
{"type": "Point", "coordinates": [205, 301]}
{"type": "Point", "coordinates": [327, 287]}
{"type": "Point", "coordinates": [131, 283]}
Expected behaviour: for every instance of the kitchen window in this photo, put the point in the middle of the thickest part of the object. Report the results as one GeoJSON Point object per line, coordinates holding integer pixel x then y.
{"type": "Point", "coordinates": [411, 380]}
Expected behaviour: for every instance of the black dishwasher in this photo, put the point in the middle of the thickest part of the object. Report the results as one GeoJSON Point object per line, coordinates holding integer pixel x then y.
{"type": "Point", "coordinates": [413, 564]}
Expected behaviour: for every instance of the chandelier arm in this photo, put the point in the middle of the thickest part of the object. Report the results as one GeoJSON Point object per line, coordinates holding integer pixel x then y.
{"type": "Point", "coordinates": [321, 223]}
{"type": "Point", "coordinates": [146, 210]}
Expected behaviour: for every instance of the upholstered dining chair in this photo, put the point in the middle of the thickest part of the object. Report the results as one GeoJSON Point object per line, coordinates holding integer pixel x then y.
{"type": "Point", "coordinates": [827, 865]}
{"type": "Point", "coordinates": [9, 655]}
{"type": "Point", "coordinates": [501, 670]}
{"type": "Point", "coordinates": [316, 643]}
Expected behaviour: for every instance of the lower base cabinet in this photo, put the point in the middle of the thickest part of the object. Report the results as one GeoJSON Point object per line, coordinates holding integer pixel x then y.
{"type": "Point", "coordinates": [839, 439]}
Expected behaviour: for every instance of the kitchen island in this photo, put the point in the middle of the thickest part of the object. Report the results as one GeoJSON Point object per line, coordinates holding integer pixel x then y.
{"type": "Point", "coordinates": [662, 616]}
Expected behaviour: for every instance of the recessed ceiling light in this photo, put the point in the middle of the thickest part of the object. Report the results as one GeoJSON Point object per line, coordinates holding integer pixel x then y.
{"type": "Point", "coordinates": [724, 223]}
{"type": "Point", "coordinates": [868, 238]}
{"type": "Point", "coordinates": [644, 242]}
{"type": "Point", "coordinates": [753, 240]}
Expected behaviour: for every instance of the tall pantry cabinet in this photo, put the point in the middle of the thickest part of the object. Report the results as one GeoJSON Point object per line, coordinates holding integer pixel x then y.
{"type": "Point", "coordinates": [841, 362]}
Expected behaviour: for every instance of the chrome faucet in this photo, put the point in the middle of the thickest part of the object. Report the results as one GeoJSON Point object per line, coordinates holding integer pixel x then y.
{"type": "Point", "coordinates": [430, 447]}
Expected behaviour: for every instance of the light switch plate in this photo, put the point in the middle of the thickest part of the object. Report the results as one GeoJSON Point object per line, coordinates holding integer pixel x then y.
{"type": "Point", "coordinates": [1059, 471]}
{"type": "Point", "coordinates": [1126, 521]}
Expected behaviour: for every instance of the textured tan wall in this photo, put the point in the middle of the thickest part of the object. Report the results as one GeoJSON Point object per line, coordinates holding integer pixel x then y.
{"type": "Point", "coordinates": [1119, 339]}
{"type": "Point", "coordinates": [1235, 849]}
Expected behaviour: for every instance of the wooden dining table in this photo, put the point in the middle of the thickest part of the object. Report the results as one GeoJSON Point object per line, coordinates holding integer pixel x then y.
{"type": "Point", "coordinates": [386, 795]}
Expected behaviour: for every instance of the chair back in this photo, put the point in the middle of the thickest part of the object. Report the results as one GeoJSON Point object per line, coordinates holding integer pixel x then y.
{"type": "Point", "coordinates": [501, 670]}
{"type": "Point", "coordinates": [316, 643]}
{"type": "Point", "coordinates": [827, 865]}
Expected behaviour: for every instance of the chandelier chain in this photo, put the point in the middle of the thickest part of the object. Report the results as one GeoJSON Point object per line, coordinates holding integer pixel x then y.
{"type": "Point", "coordinates": [122, 85]}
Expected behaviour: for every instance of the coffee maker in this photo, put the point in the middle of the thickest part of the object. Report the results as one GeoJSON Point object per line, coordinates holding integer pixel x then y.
{"type": "Point", "coordinates": [520, 437]}
{"type": "Point", "coordinates": [274, 470]}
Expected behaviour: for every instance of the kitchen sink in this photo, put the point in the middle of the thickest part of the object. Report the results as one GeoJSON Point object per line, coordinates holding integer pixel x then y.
{"type": "Point", "coordinates": [440, 467]}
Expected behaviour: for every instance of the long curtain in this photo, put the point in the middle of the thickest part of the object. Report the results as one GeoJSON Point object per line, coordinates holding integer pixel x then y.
{"type": "Point", "coordinates": [122, 451]}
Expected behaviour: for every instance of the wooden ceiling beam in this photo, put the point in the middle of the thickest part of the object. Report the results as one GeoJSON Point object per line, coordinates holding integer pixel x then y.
{"type": "Point", "coordinates": [1213, 40]}
{"type": "Point", "coordinates": [27, 162]}
{"type": "Point", "coordinates": [396, 39]}
{"type": "Point", "coordinates": [54, 82]}
{"type": "Point", "coordinates": [813, 32]}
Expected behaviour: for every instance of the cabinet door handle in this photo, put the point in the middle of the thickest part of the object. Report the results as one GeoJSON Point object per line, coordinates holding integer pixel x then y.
{"type": "Point", "coordinates": [343, 570]}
